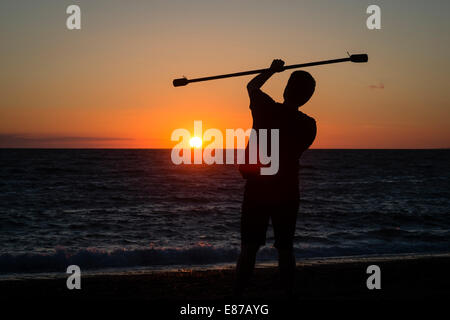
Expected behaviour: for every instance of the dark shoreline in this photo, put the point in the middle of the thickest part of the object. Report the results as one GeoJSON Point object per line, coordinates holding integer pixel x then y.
{"type": "Point", "coordinates": [402, 278]}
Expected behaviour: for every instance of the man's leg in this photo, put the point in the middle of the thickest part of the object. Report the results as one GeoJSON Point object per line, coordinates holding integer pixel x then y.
{"type": "Point", "coordinates": [245, 266]}
{"type": "Point", "coordinates": [286, 263]}
{"type": "Point", "coordinates": [284, 222]}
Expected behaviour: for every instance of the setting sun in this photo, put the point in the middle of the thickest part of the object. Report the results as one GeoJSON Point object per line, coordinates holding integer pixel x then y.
{"type": "Point", "coordinates": [195, 142]}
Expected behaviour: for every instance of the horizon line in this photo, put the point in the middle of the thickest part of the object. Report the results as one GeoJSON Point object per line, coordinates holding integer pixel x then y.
{"type": "Point", "coordinates": [96, 148]}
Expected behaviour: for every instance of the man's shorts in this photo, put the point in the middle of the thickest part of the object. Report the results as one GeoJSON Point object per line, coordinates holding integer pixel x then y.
{"type": "Point", "coordinates": [255, 220]}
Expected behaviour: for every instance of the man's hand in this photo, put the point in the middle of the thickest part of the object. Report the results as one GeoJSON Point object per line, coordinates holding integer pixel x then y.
{"type": "Point", "coordinates": [258, 81]}
{"type": "Point", "coordinates": [277, 65]}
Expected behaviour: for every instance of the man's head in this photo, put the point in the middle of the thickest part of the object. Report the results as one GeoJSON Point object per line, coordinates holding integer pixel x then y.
{"type": "Point", "coordinates": [299, 89]}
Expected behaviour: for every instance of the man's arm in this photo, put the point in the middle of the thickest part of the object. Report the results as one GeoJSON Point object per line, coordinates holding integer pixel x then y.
{"type": "Point", "coordinates": [258, 81]}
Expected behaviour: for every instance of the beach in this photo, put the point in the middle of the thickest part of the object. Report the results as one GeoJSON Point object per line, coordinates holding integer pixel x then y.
{"type": "Point", "coordinates": [101, 209]}
{"type": "Point", "coordinates": [402, 278]}
{"type": "Point", "coordinates": [161, 237]}
{"type": "Point", "coordinates": [152, 152]}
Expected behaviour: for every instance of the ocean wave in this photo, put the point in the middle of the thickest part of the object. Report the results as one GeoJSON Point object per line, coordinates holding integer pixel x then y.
{"type": "Point", "coordinates": [93, 258]}
{"type": "Point", "coordinates": [200, 254]}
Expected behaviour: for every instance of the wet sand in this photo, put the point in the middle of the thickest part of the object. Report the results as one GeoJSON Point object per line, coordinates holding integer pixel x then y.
{"type": "Point", "coordinates": [420, 277]}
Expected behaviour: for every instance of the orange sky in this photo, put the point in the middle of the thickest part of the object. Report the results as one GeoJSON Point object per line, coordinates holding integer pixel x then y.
{"type": "Point", "coordinates": [109, 84]}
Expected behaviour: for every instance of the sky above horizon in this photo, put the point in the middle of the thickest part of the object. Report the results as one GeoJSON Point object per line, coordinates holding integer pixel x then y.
{"type": "Point", "coordinates": [109, 85]}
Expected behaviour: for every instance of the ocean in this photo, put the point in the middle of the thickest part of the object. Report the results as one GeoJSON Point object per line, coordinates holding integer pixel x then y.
{"type": "Point", "coordinates": [127, 209]}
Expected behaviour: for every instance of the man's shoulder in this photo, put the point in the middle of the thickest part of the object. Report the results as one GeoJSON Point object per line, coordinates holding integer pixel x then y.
{"type": "Point", "coordinates": [305, 117]}
{"type": "Point", "coordinates": [257, 95]}
{"type": "Point", "coordinates": [260, 100]}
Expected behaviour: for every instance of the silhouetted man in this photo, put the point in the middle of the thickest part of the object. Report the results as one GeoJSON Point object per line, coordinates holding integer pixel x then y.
{"type": "Point", "coordinates": [275, 197]}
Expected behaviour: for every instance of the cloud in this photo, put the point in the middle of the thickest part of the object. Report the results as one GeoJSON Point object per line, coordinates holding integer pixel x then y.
{"type": "Point", "coordinates": [32, 140]}
{"type": "Point", "coordinates": [377, 86]}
